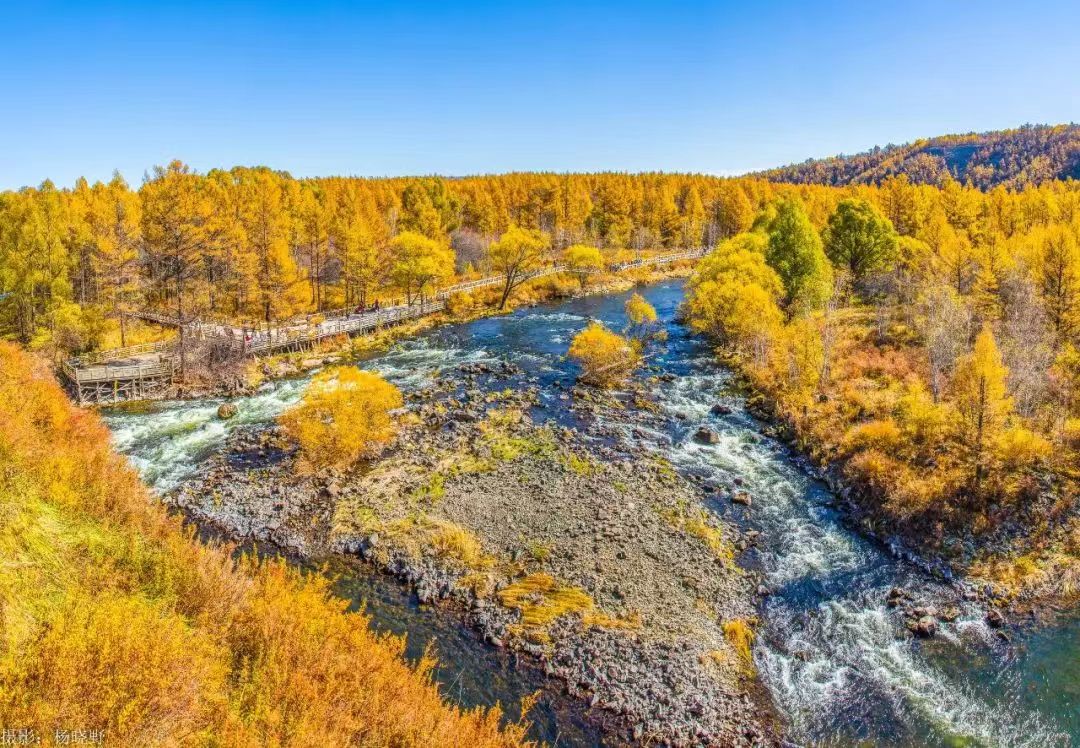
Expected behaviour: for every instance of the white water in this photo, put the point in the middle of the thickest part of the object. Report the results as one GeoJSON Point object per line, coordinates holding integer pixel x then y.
{"type": "Point", "coordinates": [836, 659]}
{"type": "Point", "coordinates": [168, 445]}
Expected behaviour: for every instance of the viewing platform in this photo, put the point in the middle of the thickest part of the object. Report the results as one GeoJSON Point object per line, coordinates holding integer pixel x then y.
{"type": "Point", "coordinates": [138, 372]}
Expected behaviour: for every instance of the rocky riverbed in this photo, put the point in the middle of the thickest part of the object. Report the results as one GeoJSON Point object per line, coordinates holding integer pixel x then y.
{"type": "Point", "coordinates": [600, 563]}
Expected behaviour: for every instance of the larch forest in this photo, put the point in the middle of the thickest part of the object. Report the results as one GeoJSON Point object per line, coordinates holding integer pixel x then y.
{"type": "Point", "coordinates": [898, 330]}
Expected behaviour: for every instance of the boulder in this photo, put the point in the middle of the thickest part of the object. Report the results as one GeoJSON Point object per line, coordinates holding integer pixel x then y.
{"type": "Point", "coordinates": [995, 618]}
{"type": "Point", "coordinates": [924, 627]}
{"type": "Point", "coordinates": [741, 497]}
{"type": "Point", "coordinates": [720, 410]}
{"type": "Point", "coordinates": [706, 436]}
{"type": "Point", "coordinates": [226, 411]}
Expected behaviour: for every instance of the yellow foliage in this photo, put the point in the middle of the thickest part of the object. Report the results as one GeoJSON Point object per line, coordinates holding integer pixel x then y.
{"type": "Point", "coordinates": [117, 619]}
{"type": "Point", "coordinates": [740, 259]}
{"type": "Point", "coordinates": [925, 423]}
{"type": "Point", "coordinates": [639, 311]}
{"type": "Point", "coordinates": [583, 260]}
{"type": "Point", "coordinates": [344, 416]}
{"type": "Point", "coordinates": [742, 315]}
{"type": "Point", "coordinates": [1066, 370]}
{"type": "Point", "coordinates": [606, 358]}
{"type": "Point", "coordinates": [800, 359]}
{"type": "Point", "coordinates": [978, 389]}
{"type": "Point", "coordinates": [460, 303]}
{"type": "Point", "coordinates": [881, 435]}
{"type": "Point", "coordinates": [1070, 433]}
{"type": "Point", "coordinates": [1017, 448]}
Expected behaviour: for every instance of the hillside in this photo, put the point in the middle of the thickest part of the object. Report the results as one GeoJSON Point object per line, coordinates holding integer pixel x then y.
{"type": "Point", "coordinates": [116, 621]}
{"type": "Point", "coordinates": [1031, 154]}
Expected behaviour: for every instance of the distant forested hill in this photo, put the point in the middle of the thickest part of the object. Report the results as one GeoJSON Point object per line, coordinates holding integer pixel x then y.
{"type": "Point", "coordinates": [1028, 155]}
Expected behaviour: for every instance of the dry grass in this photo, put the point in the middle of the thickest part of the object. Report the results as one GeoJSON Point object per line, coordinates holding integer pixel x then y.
{"type": "Point", "coordinates": [631, 621]}
{"type": "Point", "coordinates": [115, 618]}
{"type": "Point", "coordinates": [740, 636]}
{"type": "Point", "coordinates": [697, 522]}
{"type": "Point", "coordinates": [541, 600]}
{"type": "Point", "coordinates": [452, 541]}
{"type": "Point", "coordinates": [419, 534]}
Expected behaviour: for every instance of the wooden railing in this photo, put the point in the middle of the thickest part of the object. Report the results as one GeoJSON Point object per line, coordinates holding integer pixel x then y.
{"type": "Point", "coordinates": [691, 254]}
{"type": "Point", "coordinates": [126, 352]}
{"type": "Point", "coordinates": [337, 322]}
{"type": "Point", "coordinates": [143, 369]}
{"type": "Point", "coordinates": [287, 337]}
{"type": "Point", "coordinates": [162, 319]}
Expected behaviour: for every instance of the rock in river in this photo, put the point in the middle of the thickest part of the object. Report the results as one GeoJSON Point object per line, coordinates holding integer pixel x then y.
{"type": "Point", "coordinates": [226, 411]}
{"type": "Point", "coordinates": [706, 436]}
{"type": "Point", "coordinates": [925, 627]}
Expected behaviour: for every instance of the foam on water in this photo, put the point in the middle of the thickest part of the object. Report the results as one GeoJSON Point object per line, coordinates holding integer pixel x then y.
{"type": "Point", "coordinates": [834, 656]}
{"type": "Point", "coordinates": [169, 444]}
{"type": "Point", "coordinates": [838, 662]}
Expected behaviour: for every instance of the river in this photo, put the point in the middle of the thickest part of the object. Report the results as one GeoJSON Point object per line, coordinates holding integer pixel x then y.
{"type": "Point", "coordinates": [840, 665]}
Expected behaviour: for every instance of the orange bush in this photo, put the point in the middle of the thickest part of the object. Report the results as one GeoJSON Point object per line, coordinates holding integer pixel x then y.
{"type": "Point", "coordinates": [344, 416]}
{"type": "Point", "coordinates": [115, 618]}
{"type": "Point", "coordinates": [606, 358]}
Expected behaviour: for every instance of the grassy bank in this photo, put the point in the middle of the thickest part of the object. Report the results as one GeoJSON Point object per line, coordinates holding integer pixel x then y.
{"type": "Point", "coordinates": [116, 619]}
{"type": "Point", "coordinates": [862, 410]}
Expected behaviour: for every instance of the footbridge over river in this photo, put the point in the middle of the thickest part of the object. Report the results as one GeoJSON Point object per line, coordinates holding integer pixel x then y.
{"type": "Point", "coordinates": [146, 372]}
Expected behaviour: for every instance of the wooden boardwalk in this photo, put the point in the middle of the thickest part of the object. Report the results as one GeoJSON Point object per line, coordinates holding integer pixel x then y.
{"type": "Point", "coordinates": [139, 372]}
{"type": "Point", "coordinates": [146, 372]}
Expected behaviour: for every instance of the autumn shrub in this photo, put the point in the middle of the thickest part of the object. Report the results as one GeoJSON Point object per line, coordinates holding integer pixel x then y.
{"type": "Point", "coordinates": [639, 311]}
{"type": "Point", "coordinates": [135, 661]}
{"type": "Point", "coordinates": [741, 315]}
{"type": "Point", "coordinates": [1018, 448]}
{"type": "Point", "coordinates": [116, 618]}
{"type": "Point", "coordinates": [345, 415]}
{"type": "Point", "coordinates": [926, 424]}
{"type": "Point", "coordinates": [583, 261]}
{"type": "Point", "coordinates": [882, 435]}
{"type": "Point", "coordinates": [460, 303]}
{"type": "Point", "coordinates": [606, 358]}
{"type": "Point", "coordinates": [1070, 433]}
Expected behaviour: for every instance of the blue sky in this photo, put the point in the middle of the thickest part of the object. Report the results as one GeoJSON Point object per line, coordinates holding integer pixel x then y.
{"type": "Point", "coordinates": [361, 88]}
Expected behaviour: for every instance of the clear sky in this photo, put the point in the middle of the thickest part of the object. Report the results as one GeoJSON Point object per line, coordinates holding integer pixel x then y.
{"type": "Point", "coordinates": [319, 88]}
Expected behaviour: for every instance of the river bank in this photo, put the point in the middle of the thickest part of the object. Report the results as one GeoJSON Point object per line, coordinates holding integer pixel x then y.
{"type": "Point", "coordinates": [236, 380]}
{"type": "Point", "coordinates": [602, 565]}
{"type": "Point", "coordinates": [963, 557]}
{"type": "Point", "coordinates": [839, 663]}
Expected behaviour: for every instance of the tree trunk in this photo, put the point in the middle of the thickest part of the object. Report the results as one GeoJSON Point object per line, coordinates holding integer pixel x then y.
{"type": "Point", "coordinates": [507, 288]}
